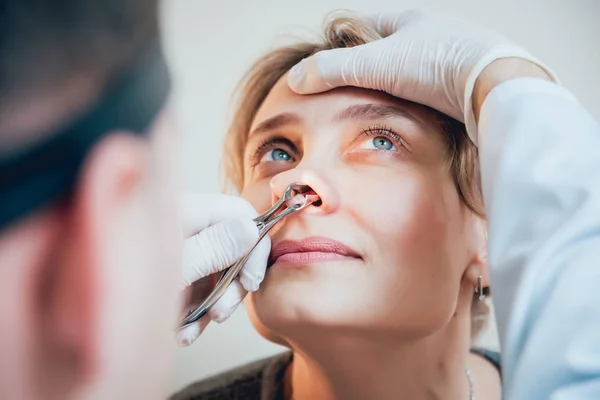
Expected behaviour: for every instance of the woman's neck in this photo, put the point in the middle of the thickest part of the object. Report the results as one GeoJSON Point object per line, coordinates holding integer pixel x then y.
{"type": "Point", "coordinates": [342, 366]}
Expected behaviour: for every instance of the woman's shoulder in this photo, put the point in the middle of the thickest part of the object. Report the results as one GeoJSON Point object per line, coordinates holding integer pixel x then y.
{"type": "Point", "coordinates": [258, 380]}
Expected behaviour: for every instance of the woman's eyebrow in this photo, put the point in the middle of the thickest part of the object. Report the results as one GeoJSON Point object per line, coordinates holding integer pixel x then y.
{"type": "Point", "coordinates": [375, 111]}
{"type": "Point", "coordinates": [276, 122]}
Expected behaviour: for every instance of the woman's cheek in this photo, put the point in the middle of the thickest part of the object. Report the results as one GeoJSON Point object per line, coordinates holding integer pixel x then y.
{"type": "Point", "coordinates": [258, 194]}
{"type": "Point", "coordinates": [403, 214]}
{"type": "Point", "coordinates": [390, 204]}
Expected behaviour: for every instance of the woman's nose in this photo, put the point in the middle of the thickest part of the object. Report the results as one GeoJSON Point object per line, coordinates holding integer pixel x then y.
{"type": "Point", "coordinates": [329, 198]}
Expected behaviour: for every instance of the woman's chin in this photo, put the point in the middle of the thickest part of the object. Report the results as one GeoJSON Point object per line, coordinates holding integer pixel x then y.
{"type": "Point", "coordinates": [289, 308]}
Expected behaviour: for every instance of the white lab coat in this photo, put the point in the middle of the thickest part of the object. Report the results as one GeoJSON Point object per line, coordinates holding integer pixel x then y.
{"type": "Point", "coordinates": [540, 164]}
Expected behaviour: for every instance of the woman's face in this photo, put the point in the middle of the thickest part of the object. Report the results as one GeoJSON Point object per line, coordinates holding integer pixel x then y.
{"type": "Point", "coordinates": [389, 244]}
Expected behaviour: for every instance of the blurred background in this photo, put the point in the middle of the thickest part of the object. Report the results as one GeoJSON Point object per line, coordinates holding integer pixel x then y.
{"type": "Point", "coordinates": [210, 45]}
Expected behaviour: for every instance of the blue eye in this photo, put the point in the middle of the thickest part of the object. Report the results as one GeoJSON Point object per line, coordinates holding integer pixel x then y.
{"type": "Point", "coordinates": [280, 155]}
{"type": "Point", "coordinates": [382, 143]}
{"type": "Point", "coordinates": [381, 138]}
{"type": "Point", "coordinates": [379, 143]}
{"type": "Point", "coordinates": [276, 155]}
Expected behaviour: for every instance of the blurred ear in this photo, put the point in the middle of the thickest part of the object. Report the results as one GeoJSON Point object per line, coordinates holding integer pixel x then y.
{"type": "Point", "coordinates": [73, 293]}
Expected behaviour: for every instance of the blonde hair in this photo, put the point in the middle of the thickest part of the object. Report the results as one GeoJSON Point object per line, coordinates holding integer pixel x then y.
{"type": "Point", "coordinates": [342, 32]}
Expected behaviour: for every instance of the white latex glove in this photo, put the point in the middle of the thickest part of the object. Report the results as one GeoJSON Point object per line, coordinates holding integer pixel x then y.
{"type": "Point", "coordinates": [219, 231]}
{"type": "Point", "coordinates": [425, 58]}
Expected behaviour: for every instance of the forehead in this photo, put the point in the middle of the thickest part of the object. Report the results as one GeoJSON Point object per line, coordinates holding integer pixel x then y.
{"type": "Point", "coordinates": [322, 106]}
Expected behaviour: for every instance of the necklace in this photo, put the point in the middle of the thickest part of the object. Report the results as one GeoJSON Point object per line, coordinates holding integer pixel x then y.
{"type": "Point", "coordinates": [469, 378]}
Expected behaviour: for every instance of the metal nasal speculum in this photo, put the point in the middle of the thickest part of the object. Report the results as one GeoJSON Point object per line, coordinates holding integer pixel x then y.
{"type": "Point", "coordinates": [295, 198]}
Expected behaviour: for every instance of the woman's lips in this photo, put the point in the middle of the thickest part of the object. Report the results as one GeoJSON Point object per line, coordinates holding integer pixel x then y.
{"type": "Point", "coordinates": [310, 250]}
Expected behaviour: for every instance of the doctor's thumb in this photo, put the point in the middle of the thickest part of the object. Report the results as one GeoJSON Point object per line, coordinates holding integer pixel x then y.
{"type": "Point", "coordinates": [327, 70]}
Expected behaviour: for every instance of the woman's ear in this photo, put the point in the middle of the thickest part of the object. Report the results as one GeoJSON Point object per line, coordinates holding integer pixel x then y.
{"type": "Point", "coordinates": [479, 263]}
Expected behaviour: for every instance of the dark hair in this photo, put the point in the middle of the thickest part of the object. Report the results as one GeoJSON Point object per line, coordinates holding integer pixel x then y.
{"type": "Point", "coordinates": [43, 44]}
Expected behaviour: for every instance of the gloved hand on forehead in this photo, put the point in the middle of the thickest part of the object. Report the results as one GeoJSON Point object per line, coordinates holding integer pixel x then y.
{"type": "Point", "coordinates": [219, 231]}
{"type": "Point", "coordinates": [425, 58]}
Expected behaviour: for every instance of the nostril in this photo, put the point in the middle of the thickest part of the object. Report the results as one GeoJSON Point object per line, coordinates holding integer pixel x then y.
{"type": "Point", "coordinates": [312, 195]}
{"type": "Point", "coordinates": [318, 203]}
{"type": "Point", "coordinates": [306, 192]}
{"type": "Point", "coordinates": [306, 198]}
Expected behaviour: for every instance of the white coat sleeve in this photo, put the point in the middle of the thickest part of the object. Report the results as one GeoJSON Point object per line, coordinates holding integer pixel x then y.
{"type": "Point", "coordinates": [540, 164]}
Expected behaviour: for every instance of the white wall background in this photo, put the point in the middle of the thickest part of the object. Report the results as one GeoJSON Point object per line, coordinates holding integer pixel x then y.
{"type": "Point", "coordinates": [211, 44]}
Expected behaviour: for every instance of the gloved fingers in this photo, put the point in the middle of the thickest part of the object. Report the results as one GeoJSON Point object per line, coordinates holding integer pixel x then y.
{"type": "Point", "coordinates": [227, 304]}
{"type": "Point", "coordinates": [387, 24]}
{"type": "Point", "coordinates": [327, 70]}
{"type": "Point", "coordinates": [216, 248]}
{"type": "Point", "coordinates": [221, 311]}
{"type": "Point", "coordinates": [355, 66]}
{"type": "Point", "coordinates": [253, 272]}
{"type": "Point", "coordinates": [189, 334]}
{"type": "Point", "coordinates": [200, 211]}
